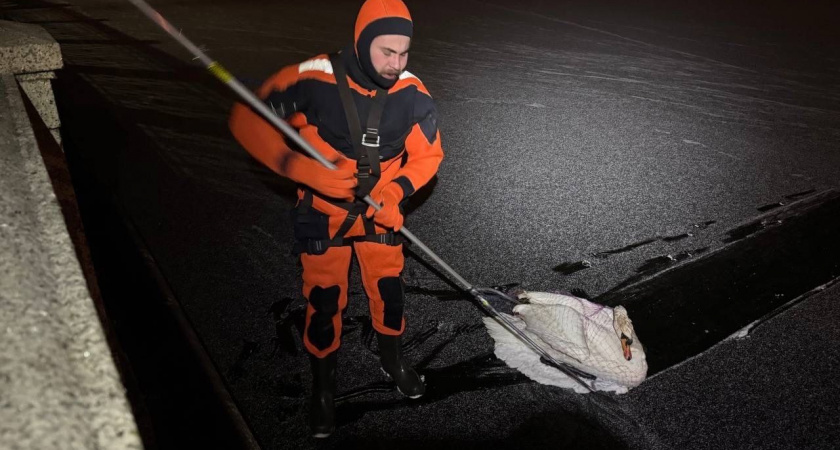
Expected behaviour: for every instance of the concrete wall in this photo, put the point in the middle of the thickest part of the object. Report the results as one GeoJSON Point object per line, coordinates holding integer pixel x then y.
{"type": "Point", "coordinates": [31, 54]}
{"type": "Point", "coordinates": [59, 387]}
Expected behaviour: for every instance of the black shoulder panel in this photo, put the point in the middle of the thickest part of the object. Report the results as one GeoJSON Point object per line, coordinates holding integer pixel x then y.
{"type": "Point", "coordinates": [285, 103]}
{"type": "Point", "coordinates": [425, 114]}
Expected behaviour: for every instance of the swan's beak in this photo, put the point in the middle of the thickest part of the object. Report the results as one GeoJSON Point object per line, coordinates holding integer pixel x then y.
{"type": "Point", "coordinates": [625, 346]}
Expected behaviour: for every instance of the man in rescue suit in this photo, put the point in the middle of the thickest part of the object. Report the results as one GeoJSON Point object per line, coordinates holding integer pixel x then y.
{"type": "Point", "coordinates": [377, 123]}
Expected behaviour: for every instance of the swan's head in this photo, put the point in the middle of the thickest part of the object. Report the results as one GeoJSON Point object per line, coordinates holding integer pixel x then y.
{"type": "Point", "coordinates": [624, 330]}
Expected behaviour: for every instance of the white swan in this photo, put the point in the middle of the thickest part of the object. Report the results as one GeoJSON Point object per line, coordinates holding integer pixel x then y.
{"type": "Point", "coordinates": [593, 338]}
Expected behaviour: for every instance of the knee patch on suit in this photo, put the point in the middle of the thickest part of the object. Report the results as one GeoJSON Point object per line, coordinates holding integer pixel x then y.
{"type": "Point", "coordinates": [321, 332]}
{"type": "Point", "coordinates": [391, 291]}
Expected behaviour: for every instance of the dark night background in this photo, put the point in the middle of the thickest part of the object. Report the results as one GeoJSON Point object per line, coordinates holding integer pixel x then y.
{"type": "Point", "coordinates": [687, 150]}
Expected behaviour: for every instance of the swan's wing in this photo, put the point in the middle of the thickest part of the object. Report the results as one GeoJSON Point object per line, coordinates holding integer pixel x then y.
{"type": "Point", "coordinates": [582, 306]}
{"type": "Point", "coordinates": [519, 356]}
{"type": "Point", "coordinates": [546, 298]}
{"type": "Point", "coordinates": [558, 326]}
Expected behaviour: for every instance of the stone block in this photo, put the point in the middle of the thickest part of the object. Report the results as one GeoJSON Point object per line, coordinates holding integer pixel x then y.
{"type": "Point", "coordinates": [39, 91]}
{"type": "Point", "coordinates": [27, 48]}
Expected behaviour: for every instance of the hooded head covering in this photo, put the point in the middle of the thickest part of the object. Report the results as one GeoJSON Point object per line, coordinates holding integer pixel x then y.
{"type": "Point", "coordinates": [378, 17]}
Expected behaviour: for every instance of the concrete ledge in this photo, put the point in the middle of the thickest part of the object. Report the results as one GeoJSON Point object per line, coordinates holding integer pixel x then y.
{"type": "Point", "coordinates": [60, 388]}
{"type": "Point", "coordinates": [27, 48]}
{"type": "Point", "coordinates": [30, 53]}
{"type": "Point", "coordinates": [38, 89]}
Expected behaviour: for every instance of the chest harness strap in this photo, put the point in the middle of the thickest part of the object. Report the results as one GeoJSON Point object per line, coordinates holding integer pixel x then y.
{"type": "Point", "coordinates": [366, 147]}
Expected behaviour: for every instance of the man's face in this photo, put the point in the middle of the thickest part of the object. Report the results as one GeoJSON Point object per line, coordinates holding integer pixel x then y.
{"type": "Point", "coordinates": [389, 54]}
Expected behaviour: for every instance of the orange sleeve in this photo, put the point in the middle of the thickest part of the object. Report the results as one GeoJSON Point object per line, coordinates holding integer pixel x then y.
{"type": "Point", "coordinates": [423, 147]}
{"type": "Point", "coordinates": [424, 158]}
{"type": "Point", "coordinates": [261, 139]}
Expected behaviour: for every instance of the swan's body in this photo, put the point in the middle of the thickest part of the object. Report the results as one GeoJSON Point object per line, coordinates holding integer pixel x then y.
{"type": "Point", "coordinates": [580, 333]}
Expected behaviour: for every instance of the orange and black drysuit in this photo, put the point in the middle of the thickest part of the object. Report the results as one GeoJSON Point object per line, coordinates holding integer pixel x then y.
{"type": "Point", "coordinates": [408, 154]}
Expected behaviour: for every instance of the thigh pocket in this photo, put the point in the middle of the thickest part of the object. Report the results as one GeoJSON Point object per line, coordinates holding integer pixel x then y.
{"type": "Point", "coordinates": [311, 224]}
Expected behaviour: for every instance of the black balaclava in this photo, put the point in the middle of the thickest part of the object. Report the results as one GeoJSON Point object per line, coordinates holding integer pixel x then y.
{"type": "Point", "coordinates": [378, 17]}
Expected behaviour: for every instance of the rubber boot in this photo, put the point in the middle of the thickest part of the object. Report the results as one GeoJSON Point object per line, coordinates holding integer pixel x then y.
{"type": "Point", "coordinates": [322, 411]}
{"type": "Point", "coordinates": [408, 382]}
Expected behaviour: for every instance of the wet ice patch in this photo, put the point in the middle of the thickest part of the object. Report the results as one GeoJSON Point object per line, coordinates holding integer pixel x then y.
{"type": "Point", "coordinates": [577, 332]}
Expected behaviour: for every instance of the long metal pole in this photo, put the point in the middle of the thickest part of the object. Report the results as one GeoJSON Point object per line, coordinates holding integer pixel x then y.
{"type": "Point", "coordinates": [224, 76]}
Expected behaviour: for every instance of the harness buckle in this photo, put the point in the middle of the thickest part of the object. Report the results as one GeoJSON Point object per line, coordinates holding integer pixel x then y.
{"type": "Point", "coordinates": [315, 247]}
{"type": "Point", "coordinates": [386, 238]}
{"type": "Point", "coordinates": [369, 141]}
{"type": "Point", "coordinates": [363, 168]}
{"type": "Point", "coordinates": [319, 246]}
